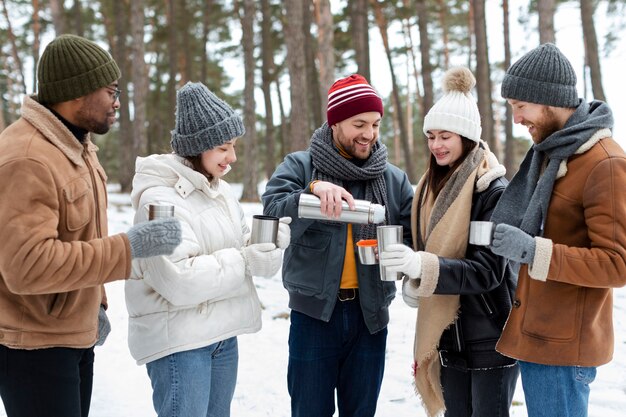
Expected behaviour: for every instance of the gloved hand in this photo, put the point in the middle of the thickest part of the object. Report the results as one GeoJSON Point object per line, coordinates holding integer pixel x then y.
{"type": "Point", "coordinates": [401, 258]}
{"type": "Point", "coordinates": [156, 237]}
{"type": "Point", "coordinates": [104, 326]}
{"type": "Point", "coordinates": [284, 233]}
{"type": "Point", "coordinates": [409, 291]}
{"type": "Point", "coordinates": [513, 243]}
{"type": "Point", "coordinates": [262, 259]}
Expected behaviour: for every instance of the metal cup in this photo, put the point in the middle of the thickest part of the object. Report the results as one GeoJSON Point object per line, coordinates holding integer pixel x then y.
{"type": "Point", "coordinates": [388, 235]}
{"type": "Point", "coordinates": [160, 211]}
{"type": "Point", "coordinates": [365, 248]}
{"type": "Point", "coordinates": [264, 229]}
{"type": "Point", "coordinates": [481, 233]}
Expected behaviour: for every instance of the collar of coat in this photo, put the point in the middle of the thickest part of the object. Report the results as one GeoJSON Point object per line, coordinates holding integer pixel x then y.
{"type": "Point", "coordinates": [55, 131]}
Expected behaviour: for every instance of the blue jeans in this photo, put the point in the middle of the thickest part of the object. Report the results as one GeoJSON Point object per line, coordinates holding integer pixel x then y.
{"type": "Point", "coordinates": [195, 383]}
{"type": "Point", "coordinates": [339, 355]}
{"type": "Point", "coordinates": [478, 393]}
{"type": "Point", "coordinates": [556, 391]}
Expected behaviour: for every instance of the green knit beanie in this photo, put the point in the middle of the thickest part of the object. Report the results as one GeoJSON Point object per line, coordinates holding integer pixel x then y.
{"type": "Point", "coordinates": [72, 67]}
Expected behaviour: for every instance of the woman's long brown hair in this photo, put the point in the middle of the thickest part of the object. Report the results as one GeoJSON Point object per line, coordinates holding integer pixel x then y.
{"type": "Point", "coordinates": [437, 176]}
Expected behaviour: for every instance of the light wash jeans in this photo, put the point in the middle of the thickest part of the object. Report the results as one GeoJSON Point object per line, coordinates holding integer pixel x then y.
{"type": "Point", "coordinates": [195, 383]}
{"type": "Point", "coordinates": [556, 391]}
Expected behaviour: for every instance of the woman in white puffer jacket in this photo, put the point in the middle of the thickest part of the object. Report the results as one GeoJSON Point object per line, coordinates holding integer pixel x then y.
{"type": "Point", "coordinates": [186, 309]}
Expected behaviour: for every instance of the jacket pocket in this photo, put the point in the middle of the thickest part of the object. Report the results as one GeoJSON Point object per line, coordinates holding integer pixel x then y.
{"type": "Point", "coordinates": [306, 262]}
{"type": "Point", "coordinates": [539, 316]}
{"type": "Point", "coordinates": [78, 204]}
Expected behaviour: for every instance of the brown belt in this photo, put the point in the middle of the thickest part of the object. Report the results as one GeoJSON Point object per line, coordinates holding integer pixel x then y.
{"type": "Point", "coordinates": [348, 294]}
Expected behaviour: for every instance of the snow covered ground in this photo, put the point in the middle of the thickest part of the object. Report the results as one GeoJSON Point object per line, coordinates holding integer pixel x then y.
{"type": "Point", "coordinates": [121, 388]}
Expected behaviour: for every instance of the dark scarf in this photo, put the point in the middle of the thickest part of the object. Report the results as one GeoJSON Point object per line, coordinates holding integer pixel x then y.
{"type": "Point", "coordinates": [525, 201]}
{"type": "Point", "coordinates": [329, 165]}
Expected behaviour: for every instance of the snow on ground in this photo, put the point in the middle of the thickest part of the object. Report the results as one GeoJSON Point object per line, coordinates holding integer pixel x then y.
{"type": "Point", "coordinates": [121, 388]}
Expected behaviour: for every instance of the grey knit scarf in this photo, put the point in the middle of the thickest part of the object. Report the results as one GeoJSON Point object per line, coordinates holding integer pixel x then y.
{"type": "Point", "coordinates": [329, 165]}
{"type": "Point", "coordinates": [525, 201]}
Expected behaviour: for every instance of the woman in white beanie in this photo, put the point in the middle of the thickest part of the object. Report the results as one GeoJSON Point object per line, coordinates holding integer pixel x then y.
{"type": "Point", "coordinates": [464, 291]}
{"type": "Point", "coordinates": [187, 309]}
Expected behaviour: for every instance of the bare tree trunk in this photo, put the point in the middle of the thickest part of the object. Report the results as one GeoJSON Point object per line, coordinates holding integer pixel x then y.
{"type": "Point", "coordinates": [546, 10]}
{"type": "Point", "coordinates": [185, 56]}
{"type": "Point", "coordinates": [325, 50]}
{"type": "Point", "coordinates": [360, 36]}
{"type": "Point", "coordinates": [299, 129]}
{"type": "Point", "coordinates": [172, 42]}
{"type": "Point", "coordinates": [509, 144]}
{"type": "Point", "coordinates": [139, 76]}
{"type": "Point", "coordinates": [413, 59]}
{"type": "Point", "coordinates": [77, 16]}
{"type": "Point", "coordinates": [397, 104]}
{"type": "Point", "coordinates": [267, 74]}
{"type": "Point", "coordinates": [206, 22]}
{"type": "Point", "coordinates": [427, 69]}
{"type": "Point", "coordinates": [310, 50]}
{"type": "Point", "coordinates": [443, 11]}
{"type": "Point", "coordinates": [14, 50]}
{"type": "Point", "coordinates": [284, 124]}
{"type": "Point", "coordinates": [483, 75]}
{"type": "Point", "coordinates": [251, 180]}
{"type": "Point", "coordinates": [58, 16]}
{"type": "Point", "coordinates": [36, 40]}
{"type": "Point", "coordinates": [591, 48]}
{"type": "Point", "coordinates": [120, 54]}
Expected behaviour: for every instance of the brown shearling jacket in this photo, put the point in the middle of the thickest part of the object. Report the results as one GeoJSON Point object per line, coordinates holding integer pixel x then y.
{"type": "Point", "coordinates": [568, 319]}
{"type": "Point", "coordinates": [55, 255]}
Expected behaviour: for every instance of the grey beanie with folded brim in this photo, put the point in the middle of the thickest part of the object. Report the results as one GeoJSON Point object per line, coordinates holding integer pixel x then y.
{"type": "Point", "coordinates": [203, 121]}
{"type": "Point", "coordinates": [542, 76]}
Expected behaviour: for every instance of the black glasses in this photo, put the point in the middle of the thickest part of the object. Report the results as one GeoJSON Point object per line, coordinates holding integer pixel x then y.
{"type": "Point", "coordinates": [116, 92]}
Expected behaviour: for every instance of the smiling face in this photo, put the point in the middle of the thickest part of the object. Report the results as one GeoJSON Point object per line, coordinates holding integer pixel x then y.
{"type": "Point", "coordinates": [540, 120]}
{"type": "Point", "coordinates": [216, 161]}
{"type": "Point", "coordinates": [446, 147]}
{"type": "Point", "coordinates": [358, 134]}
{"type": "Point", "coordinates": [96, 111]}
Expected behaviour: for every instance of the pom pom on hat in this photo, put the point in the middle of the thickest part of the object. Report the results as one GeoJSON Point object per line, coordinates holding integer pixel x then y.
{"type": "Point", "coordinates": [203, 121]}
{"type": "Point", "coordinates": [350, 96]}
{"type": "Point", "coordinates": [456, 111]}
{"type": "Point", "coordinates": [72, 67]}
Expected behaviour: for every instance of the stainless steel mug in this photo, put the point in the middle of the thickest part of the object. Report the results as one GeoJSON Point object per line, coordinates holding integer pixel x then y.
{"type": "Point", "coordinates": [388, 235]}
{"type": "Point", "coordinates": [160, 211]}
{"type": "Point", "coordinates": [264, 229]}
{"type": "Point", "coordinates": [481, 233]}
{"type": "Point", "coordinates": [365, 248]}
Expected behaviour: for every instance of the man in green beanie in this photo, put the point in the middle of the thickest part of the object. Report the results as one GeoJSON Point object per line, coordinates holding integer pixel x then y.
{"type": "Point", "coordinates": [55, 252]}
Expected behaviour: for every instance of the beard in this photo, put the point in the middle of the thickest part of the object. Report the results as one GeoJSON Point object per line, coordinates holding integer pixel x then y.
{"type": "Point", "coordinates": [547, 125]}
{"type": "Point", "coordinates": [91, 120]}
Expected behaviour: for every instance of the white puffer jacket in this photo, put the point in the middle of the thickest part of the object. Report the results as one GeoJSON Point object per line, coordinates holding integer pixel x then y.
{"type": "Point", "coordinates": [201, 294]}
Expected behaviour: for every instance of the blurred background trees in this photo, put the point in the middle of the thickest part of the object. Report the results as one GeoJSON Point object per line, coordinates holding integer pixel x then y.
{"type": "Point", "coordinates": [274, 61]}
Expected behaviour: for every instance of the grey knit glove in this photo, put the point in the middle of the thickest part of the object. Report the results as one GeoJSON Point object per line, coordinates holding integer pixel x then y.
{"type": "Point", "coordinates": [156, 237]}
{"type": "Point", "coordinates": [104, 326]}
{"type": "Point", "coordinates": [513, 243]}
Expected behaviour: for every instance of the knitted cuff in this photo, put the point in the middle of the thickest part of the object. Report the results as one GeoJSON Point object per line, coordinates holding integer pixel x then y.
{"type": "Point", "coordinates": [430, 274]}
{"type": "Point", "coordinates": [543, 256]}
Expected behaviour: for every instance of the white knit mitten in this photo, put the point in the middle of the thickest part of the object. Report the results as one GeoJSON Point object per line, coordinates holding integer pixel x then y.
{"type": "Point", "coordinates": [262, 259]}
{"type": "Point", "coordinates": [409, 291]}
{"type": "Point", "coordinates": [284, 233]}
{"type": "Point", "coordinates": [401, 258]}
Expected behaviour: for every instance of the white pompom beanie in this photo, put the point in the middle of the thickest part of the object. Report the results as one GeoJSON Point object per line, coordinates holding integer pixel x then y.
{"type": "Point", "coordinates": [456, 111]}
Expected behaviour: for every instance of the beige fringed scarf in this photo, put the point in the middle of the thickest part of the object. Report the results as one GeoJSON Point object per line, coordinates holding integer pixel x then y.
{"type": "Point", "coordinates": [444, 227]}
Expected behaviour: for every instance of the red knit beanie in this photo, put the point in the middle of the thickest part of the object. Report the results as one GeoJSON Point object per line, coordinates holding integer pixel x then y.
{"type": "Point", "coordinates": [351, 96]}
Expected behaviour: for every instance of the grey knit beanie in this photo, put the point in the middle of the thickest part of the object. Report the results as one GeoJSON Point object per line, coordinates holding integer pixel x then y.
{"type": "Point", "coordinates": [72, 67]}
{"type": "Point", "coordinates": [542, 76]}
{"type": "Point", "coordinates": [203, 121]}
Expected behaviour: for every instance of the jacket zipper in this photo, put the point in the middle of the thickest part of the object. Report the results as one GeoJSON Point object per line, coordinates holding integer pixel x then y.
{"type": "Point", "coordinates": [95, 191]}
{"type": "Point", "coordinates": [484, 300]}
{"type": "Point", "coordinates": [457, 336]}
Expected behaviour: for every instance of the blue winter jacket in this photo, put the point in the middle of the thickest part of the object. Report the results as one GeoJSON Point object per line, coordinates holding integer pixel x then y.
{"type": "Point", "coordinates": [313, 262]}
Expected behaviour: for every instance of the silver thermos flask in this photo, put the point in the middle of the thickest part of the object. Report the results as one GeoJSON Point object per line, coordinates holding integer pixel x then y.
{"type": "Point", "coordinates": [364, 212]}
